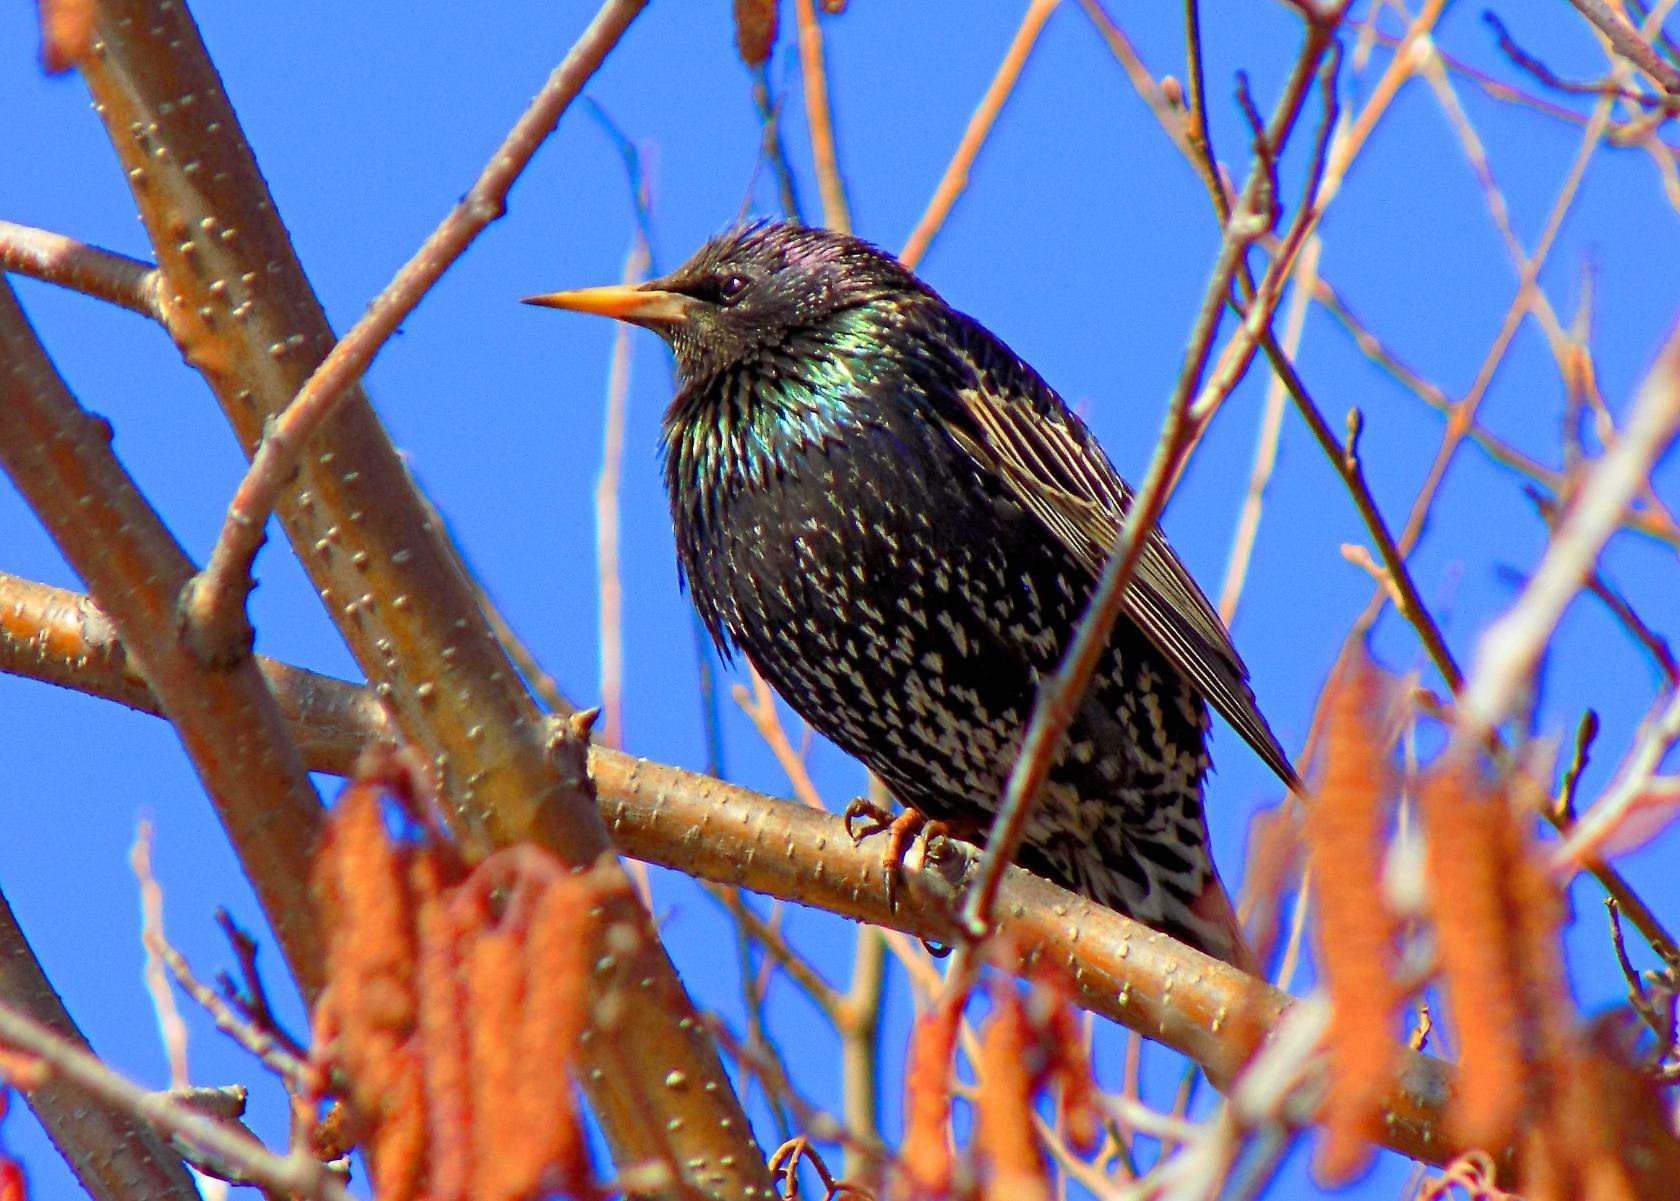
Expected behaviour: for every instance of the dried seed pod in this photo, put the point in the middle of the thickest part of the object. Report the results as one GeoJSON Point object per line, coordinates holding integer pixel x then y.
{"type": "Point", "coordinates": [1347, 832]}
{"type": "Point", "coordinates": [755, 30]}
{"type": "Point", "coordinates": [925, 1157]}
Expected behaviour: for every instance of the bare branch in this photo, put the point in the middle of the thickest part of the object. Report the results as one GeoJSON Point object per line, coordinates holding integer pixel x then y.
{"type": "Point", "coordinates": [819, 119]}
{"type": "Point", "coordinates": [218, 596]}
{"type": "Point", "coordinates": [719, 832]}
{"type": "Point", "coordinates": [102, 274]}
{"type": "Point", "coordinates": [61, 460]}
{"type": "Point", "coordinates": [1511, 648]}
{"type": "Point", "coordinates": [115, 1157]}
{"type": "Point", "coordinates": [1629, 44]}
{"type": "Point", "coordinates": [298, 1173]}
{"type": "Point", "coordinates": [955, 179]}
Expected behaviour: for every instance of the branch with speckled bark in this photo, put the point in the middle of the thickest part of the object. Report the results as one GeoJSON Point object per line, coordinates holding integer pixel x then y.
{"type": "Point", "coordinates": [113, 1156]}
{"type": "Point", "coordinates": [1115, 967]}
{"type": "Point", "coordinates": [235, 298]}
{"type": "Point", "coordinates": [61, 460]}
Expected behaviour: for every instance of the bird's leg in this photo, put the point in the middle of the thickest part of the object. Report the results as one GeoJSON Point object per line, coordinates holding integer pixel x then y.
{"type": "Point", "coordinates": [862, 807]}
{"type": "Point", "coordinates": [902, 831]}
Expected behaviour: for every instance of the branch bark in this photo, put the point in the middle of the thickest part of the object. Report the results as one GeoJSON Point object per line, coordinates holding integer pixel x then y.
{"type": "Point", "coordinates": [114, 1157]}
{"type": "Point", "coordinates": [703, 827]}
{"type": "Point", "coordinates": [237, 302]}
{"type": "Point", "coordinates": [60, 457]}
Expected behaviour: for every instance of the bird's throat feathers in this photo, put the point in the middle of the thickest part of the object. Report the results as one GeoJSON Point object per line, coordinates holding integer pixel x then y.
{"type": "Point", "coordinates": [741, 426]}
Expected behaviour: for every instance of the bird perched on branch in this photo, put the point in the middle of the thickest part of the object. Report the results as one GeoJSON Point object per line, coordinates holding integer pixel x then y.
{"type": "Point", "coordinates": [900, 524]}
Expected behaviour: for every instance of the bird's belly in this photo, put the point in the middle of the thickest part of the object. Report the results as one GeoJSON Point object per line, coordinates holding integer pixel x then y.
{"type": "Point", "coordinates": [912, 631]}
{"type": "Point", "coordinates": [861, 623]}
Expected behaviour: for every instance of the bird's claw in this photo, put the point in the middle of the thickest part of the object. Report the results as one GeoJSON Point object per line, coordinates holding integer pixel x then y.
{"type": "Point", "coordinates": [902, 831]}
{"type": "Point", "coordinates": [863, 808]}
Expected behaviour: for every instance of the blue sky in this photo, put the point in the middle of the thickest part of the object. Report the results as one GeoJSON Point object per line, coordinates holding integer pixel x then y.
{"type": "Point", "coordinates": [1084, 241]}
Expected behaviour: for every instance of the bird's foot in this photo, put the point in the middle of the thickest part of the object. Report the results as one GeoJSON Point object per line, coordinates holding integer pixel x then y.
{"type": "Point", "coordinates": [902, 831]}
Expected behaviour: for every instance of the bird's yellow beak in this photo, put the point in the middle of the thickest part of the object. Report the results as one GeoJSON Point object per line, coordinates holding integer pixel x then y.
{"type": "Point", "coordinates": [640, 305]}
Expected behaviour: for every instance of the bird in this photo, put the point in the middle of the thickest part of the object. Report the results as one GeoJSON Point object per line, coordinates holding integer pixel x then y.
{"type": "Point", "coordinates": [899, 524]}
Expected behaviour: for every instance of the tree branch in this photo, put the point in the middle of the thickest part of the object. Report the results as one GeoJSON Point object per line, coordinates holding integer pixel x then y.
{"type": "Point", "coordinates": [102, 274]}
{"type": "Point", "coordinates": [114, 1157]}
{"type": "Point", "coordinates": [218, 597]}
{"type": "Point", "coordinates": [298, 1173]}
{"type": "Point", "coordinates": [703, 827]}
{"type": "Point", "coordinates": [245, 316]}
{"type": "Point", "coordinates": [61, 460]}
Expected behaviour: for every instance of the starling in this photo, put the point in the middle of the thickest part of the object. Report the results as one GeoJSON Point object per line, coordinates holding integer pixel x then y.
{"type": "Point", "coordinates": [899, 523]}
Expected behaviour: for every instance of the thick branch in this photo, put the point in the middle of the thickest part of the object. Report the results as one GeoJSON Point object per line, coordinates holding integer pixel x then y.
{"type": "Point", "coordinates": [219, 596]}
{"type": "Point", "coordinates": [61, 460]}
{"type": "Point", "coordinates": [243, 313]}
{"type": "Point", "coordinates": [703, 827]}
{"type": "Point", "coordinates": [114, 1157]}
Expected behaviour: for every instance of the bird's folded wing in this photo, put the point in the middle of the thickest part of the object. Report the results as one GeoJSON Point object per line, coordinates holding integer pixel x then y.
{"type": "Point", "coordinates": [1056, 471]}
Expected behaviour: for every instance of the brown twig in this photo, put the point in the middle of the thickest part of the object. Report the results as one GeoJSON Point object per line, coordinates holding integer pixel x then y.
{"type": "Point", "coordinates": [298, 1173]}
{"type": "Point", "coordinates": [819, 119]}
{"type": "Point", "coordinates": [1598, 87]}
{"type": "Point", "coordinates": [257, 1038]}
{"type": "Point", "coordinates": [1629, 44]}
{"type": "Point", "coordinates": [217, 602]}
{"type": "Point", "coordinates": [114, 1156]}
{"type": "Point", "coordinates": [716, 831]}
{"type": "Point", "coordinates": [955, 178]}
{"type": "Point", "coordinates": [249, 996]}
{"type": "Point", "coordinates": [102, 274]}
{"type": "Point", "coordinates": [1195, 400]}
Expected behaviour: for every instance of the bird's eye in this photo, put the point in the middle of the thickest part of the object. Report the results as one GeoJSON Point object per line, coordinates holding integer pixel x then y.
{"type": "Point", "coordinates": [730, 288]}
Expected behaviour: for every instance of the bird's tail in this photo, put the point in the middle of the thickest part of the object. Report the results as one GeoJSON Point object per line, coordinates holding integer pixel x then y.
{"type": "Point", "coordinates": [1216, 930]}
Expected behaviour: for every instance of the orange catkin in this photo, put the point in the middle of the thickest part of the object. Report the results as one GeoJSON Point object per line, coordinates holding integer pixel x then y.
{"type": "Point", "coordinates": [66, 33]}
{"type": "Point", "coordinates": [370, 1005]}
{"type": "Point", "coordinates": [494, 964]}
{"type": "Point", "coordinates": [1004, 1121]}
{"type": "Point", "coordinates": [755, 30]}
{"type": "Point", "coordinates": [1347, 834]}
{"type": "Point", "coordinates": [925, 1158]}
{"type": "Point", "coordinates": [360, 887]}
{"type": "Point", "coordinates": [443, 1040]}
{"type": "Point", "coordinates": [1467, 874]}
{"type": "Point", "coordinates": [556, 1011]}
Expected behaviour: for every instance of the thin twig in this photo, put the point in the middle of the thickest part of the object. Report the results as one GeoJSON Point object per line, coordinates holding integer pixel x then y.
{"type": "Point", "coordinates": [1601, 820]}
{"type": "Point", "coordinates": [298, 1173]}
{"type": "Point", "coordinates": [1629, 44]}
{"type": "Point", "coordinates": [102, 274]}
{"type": "Point", "coordinates": [170, 1024]}
{"type": "Point", "coordinates": [1511, 648]}
{"type": "Point", "coordinates": [611, 730]}
{"type": "Point", "coordinates": [216, 604]}
{"type": "Point", "coordinates": [955, 178]}
{"type": "Point", "coordinates": [771, 145]}
{"type": "Point", "coordinates": [1195, 401]}
{"type": "Point", "coordinates": [1058, 697]}
{"type": "Point", "coordinates": [1598, 87]}
{"type": "Point", "coordinates": [819, 120]}
{"type": "Point", "coordinates": [114, 1156]}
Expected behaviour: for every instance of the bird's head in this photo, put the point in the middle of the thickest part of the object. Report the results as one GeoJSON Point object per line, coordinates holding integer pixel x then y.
{"type": "Point", "coordinates": [754, 295]}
